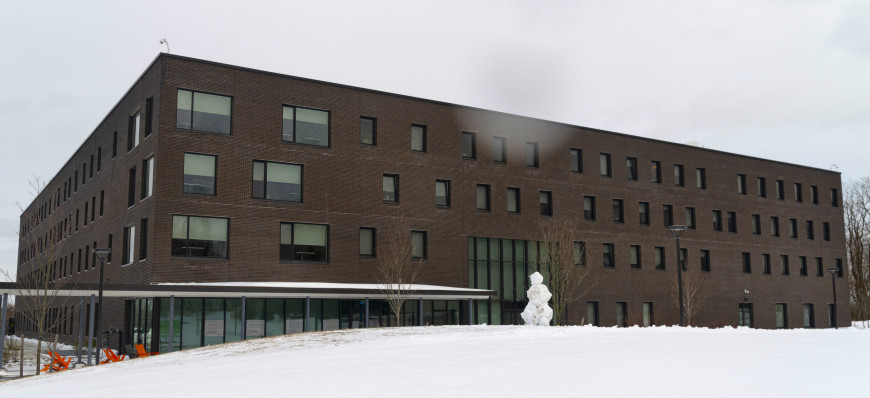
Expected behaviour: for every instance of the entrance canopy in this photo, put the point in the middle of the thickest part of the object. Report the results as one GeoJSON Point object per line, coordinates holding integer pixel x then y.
{"type": "Point", "coordinates": [247, 289]}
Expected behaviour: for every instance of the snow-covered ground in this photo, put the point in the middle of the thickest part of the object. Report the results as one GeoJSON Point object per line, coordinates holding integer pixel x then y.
{"type": "Point", "coordinates": [502, 361]}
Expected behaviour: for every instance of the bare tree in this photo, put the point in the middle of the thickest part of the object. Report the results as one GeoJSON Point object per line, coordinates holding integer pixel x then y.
{"type": "Point", "coordinates": [694, 293]}
{"type": "Point", "coordinates": [562, 261]}
{"type": "Point", "coordinates": [856, 211]}
{"type": "Point", "coordinates": [398, 270]}
{"type": "Point", "coordinates": [38, 296]}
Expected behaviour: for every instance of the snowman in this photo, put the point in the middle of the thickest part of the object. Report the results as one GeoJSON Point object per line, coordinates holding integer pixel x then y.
{"type": "Point", "coordinates": [537, 312]}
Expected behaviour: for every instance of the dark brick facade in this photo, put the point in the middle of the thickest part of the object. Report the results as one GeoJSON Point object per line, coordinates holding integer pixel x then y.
{"type": "Point", "coordinates": [342, 188]}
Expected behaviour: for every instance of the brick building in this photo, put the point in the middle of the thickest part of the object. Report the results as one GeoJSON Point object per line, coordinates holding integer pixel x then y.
{"type": "Point", "coordinates": [205, 172]}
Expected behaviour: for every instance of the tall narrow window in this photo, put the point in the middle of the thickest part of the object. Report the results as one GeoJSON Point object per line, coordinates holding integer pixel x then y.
{"type": "Point", "coordinates": [576, 160]}
{"type": "Point", "coordinates": [690, 217]}
{"type": "Point", "coordinates": [756, 224]}
{"type": "Point", "coordinates": [368, 132]}
{"type": "Point", "coordinates": [109, 245]}
{"type": "Point", "coordinates": [780, 190]}
{"type": "Point", "coordinates": [367, 242]}
{"type": "Point", "coordinates": [199, 174]}
{"type": "Point", "coordinates": [499, 149]}
{"type": "Point", "coordinates": [835, 197]}
{"type": "Point", "coordinates": [546, 199]}
{"type": "Point", "coordinates": [701, 178]}
{"type": "Point", "coordinates": [418, 245]}
{"type": "Point", "coordinates": [741, 184]}
{"type": "Point", "coordinates": [129, 244]}
{"type": "Point", "coordinates": [820, 267]}
{"type": "Point", "coordinates": [143, 239]}
{"type": "Point", "coordinates": [811, 231]}
{"type": "Point", "coordinates": [442, 193]}
{"type": "Point", "coordinates": [660, 257]}
{"type": "Point", "coordinates": [131, 196]}
{"type": "Point", "coordinates": [648, 313]}
{"type": "Point", "coordinates": [792, 228]}
{"type": "Point", "coordinates": [147, 177]}
{"type": "Point", "coordinates": [102, 199]}
{"type": "Point", "coordinates": [656, 170]}
{"type": "Point", "coordinates": [304, 242]}
{"type": "Point", "coordinates": [668, 215]}
{"type": "Point", "coordinates": [133, 132]}
{"type": "Point", "coordinates": [114, 145]}
{"type": "Point", "coordinates": [532, 154]}
{"type": "Point", "coordinates": [814, 194]}
{"type": "Point", "coordinates": [826, 231]}
{"type": "Point", "coordinates": [200, 236]}
{"type": "Point", "coordinates": [803, 266]}
{"type": "Point", "coordinates": [93, 207]}
{"type": "Point", "coordinates": [747, 263]}
{"type": "Point", "coordinates": [717, 220]}
{"type": "Point", "coordinates": [839, 264]}
{"type": "Point", "coordinates": [86, 214]}
{"type": "Point", "coordinates": [798, 192]}
{"type": "Point", "coordinates": [149, 114]}
{"type": "Point", "coordinates": [469, 145]}
{"type": "Point", "coordinates": [634, 256]}
{"type": "Point", "coordinates": [589, 207]}
{"type": "Point", "coordinates": [91, 170]}
{"type": "Point", "coordinates": [608, 255]}
{"type": "Point", "coordinates": [809, 316]}
{"type": "Point", "coordinates": [418, 138]}
{"type": "Point", "coordinates": [483, 197]}
{"type": "Point", "coordinates": [592, 313]}
{"type": "Point", "coordinates": [781, 316]}
{"type": "Point", "coordinates": [621, 314]}
{"type": "Point", "coordinates": [210, 113]}
{"type": "Point", "coordinates": [391, 188]}
{"type": "Point", "coordinates": [732, 222]}
{"type": "Point", "coordinates": [762, 187]}
{"type": "Point", "coordinates": [705, 260]}
{"type": "Point", "coordinates": [631, 168]}
{"type": "Point", "coordinates": [305, 126]}
{"type": "Point", "coordinates": [513, 200]}
{"type": "Point", "coordinates": [604, 164]}
{"type": "Point", "coordinates": [765, 264]}
{"type": "Point", "coordinates": [643, 213]}
{"type": "Point", "coordinates": [679, 176]}
{"type": "Point", "coordinates": [774, 226]}
{"type": "Point", "coordinates": [783, 264]}
{"type": "Point", "coordinates": [277, 181]}
{"type": "Point", "coordinates": [99, 159]}
{"type": "Point", "coordinates": [618, 211]}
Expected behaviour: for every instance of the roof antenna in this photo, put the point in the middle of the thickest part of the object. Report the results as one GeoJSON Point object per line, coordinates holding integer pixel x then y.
{"type": "Point", "coordinates": [164, 41]}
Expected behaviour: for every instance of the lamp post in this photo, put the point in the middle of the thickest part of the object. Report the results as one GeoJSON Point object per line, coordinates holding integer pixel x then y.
{"type": "Point", "coordinates": [678, 230]}
{"type": "Point", "coordinates": [101, 254]}
{"type": "Point", "coordinates": [833, 271]}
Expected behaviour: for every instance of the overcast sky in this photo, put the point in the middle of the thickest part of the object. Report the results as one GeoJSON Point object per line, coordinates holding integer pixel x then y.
{"type": "Point", "coordinates": [784, 80]}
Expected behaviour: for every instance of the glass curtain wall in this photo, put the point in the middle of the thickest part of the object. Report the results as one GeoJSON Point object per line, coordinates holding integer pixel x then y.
{"type": "Point", "coordinates": [502, 265]}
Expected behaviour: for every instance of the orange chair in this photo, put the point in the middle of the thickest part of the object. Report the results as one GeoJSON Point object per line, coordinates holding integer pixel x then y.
{"type": "Point", "coordinates": [111, 356]}
{"type": "Point", "coordinates": [58, 362]}
{"type": "Point", "coordinates": [141, 353]}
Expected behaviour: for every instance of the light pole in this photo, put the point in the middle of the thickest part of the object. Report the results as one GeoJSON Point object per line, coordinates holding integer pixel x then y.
{"type": "Point", "coordinates": [678, 230]}
{"type": "Point", "coordinates": [833, 271]}
{"type": "Point", "coordinates": [101, 254]}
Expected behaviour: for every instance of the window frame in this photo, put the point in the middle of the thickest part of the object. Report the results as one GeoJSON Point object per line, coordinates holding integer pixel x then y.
{"type": "Point", "coordinates": [425, 235]}
{"type": "Point", "coordinates": [609, 257]}
{"type": "Point", "coordinates": [374, 131]}
{"type": "Point", "coordinates": [425, 133]}
{"type": "Point", "coordinates": [536, 155]}
{"type": "Point", "coordinates": [192, 92]}
{"type": "Point", "coordinates": [679, 175]}
{"type": "Point", "coordinates": [700, 178]}
{"type": "Point", "coordinates": [631, 168]}
{"type": "Point", "coordinates": [265, 196]}
{"type": "Point", "coordinates": [549, 204]}
{"type": "Point", "coordinates": [502, 155]}
{"type": "Point", "coordinates": [605, 167]}
{"type": "Point", "coordinates": [172, 220]}
{"type": "Point", "coordinates": [295, 140]}
{"type": "Point", "coordinates": [589, 214]}
{"type": "Point", "coordinates": [395, 178]}
{"type": "Point", "coordinates": [761, 186]}
{"type": "Point", "coordinates": [579, 166]}
{"type": "Point", "coordinates": [618, 211]}
{"type": "Point", "coordinates": [147, 178]}
{"type": "Point", "coordinates": [446, 193]}
{"type": "Point", "coordinates": [518, 209]}
{"type": "Point", "coordinates": [487, 191]}
{"type": "Point", "coordinates": [636, 262]}
{"type": "Point", "coordinates": [741, 184]}
{"type": "Point", "coordinates": [374, 248]}
{"type": "Point", "coordinates": [656, 171]}
{"type": "Point", "coordinates": [643, 213]}
{"type": "Point", "coordinates": [293, 240]}
{"type": "Point", "coordinates": [214, 158]}
{"type": "Point", "coordinates": [462, 148]}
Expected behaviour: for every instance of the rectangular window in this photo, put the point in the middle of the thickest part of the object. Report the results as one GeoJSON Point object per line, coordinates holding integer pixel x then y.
{"type": "Point", "coordinates": [732, 222]}
{"type": "Point", "coordinates": [781, 316]}
{"type": "Point", "coordinates": [631, 168]}
{"type": "Point", "coordinates": [762, 187]}
{"type": "Point", "coordinates": [811, 231]}
{"type": "Point", "coordinates": [591, 313]}
{"type": "Point", "coordinates": [133, 132]}
{"type": "Point", "coordinates": [660, 257]}
{"type": "Point", "coordinates": [532, 154]}
{"type": "Point", "coordinates": [705, 260]}
{"type": "Point", "coordinates": [368, 131]}
{"type": "Point", "coordinates": [618, 211]}
{"type": "Point", "coordinates": [826, 231]}
{"type": "Point", "coordinates": [131, 196]}
{"type": "Point", "coordinates": [803, 265]}
{"type": "Point", "coordinates": [469, 145]}
{"type": "Point", "coordinates": [99, 159]}
{"type": "Point", "coordinates": [576, 160]}
{"type": "Point", "coordinates": [643, 212]}
{"type": "Point", "coordinates": [102, 198]}
{"type": "Point", "coordinates": [114, 145]}
{"type": "Point", "coordinates": [391, 188]}
{"type": "Point", "coordinates": [656, 169]}
{"type": "Point", "coordinates": [483, 197]}
{"type": "Point", "coordinates": [91, 168]}
{"type": "Point", "coordinates": [756, 224]}
{"type": "Point", "coordinates": [129, 244]}
{"type": "Point", "coordinates": [814, 194]}
{"type": "Point", "coordinates": [809, 316]}
{"type": "Point", "coordinates": [149, 114]}
{"type": "Point", "coordinates": [835, 197]}
{"type": "Point", "coordinates": [513, 200]}
{"type": "Point", "coordinates": [277, 181]}
{"type": "Point", "coordinates": [579, 253]}
{"type": "Point", "coordinates": [679, 177]}
{"type": "Point", "coordinates": [86, 214]}
{"type": "Point", "coordinates": [701, 178]}
{"type": "Point", "coordinates": [747, 263]}
{"type": "Point", "coordinates": [792, 228]}
{"type": "Point", "coordinates": [690, 217]}
{"type": "Point", "coordinates": [780, 190]}
{"type": "Point", "coordinates": [589, 207]}
{"type": "Point", "coordinates": [621, 314]}
{"type": "Point", "coordinates": [604, 164]}
{"type": "Point", "coordinates": [442, 193]}
{"type": "Point", "coordinates": [194, 236]}
{"type": "Point", "coordinates": [367, 242]}
{"type": "Point", "coordinates": [148, 177]}
{"type": "Point", "coordinates": [668, 215]}
{"type": "Point", "coordinates": [717, 220]}
{"type": "Point", "coordinates": [798, 192]}
{"type": "Point", "coordinates": [418, 138]}
{"type": "Point", "coordinates": [820, 267]}
{"type": "Point", "coordinates": [304, 242]}
{"type": "Point", "coordinates": [741, 184]}
{"type": "Point", "coordinates": [546, 199]}
{"type": "Point", "coordinates": [305, 126]}
{"type": "Point", "coordinates": [143, 239]}
{"type": "Point", "coordinates": [839, 264]}
{"type": "Point", "coordinates": [418, 245]}
{"type": "Point", "coordinates": [634, 255]}
{"type": "Point", "coordinates": [199, 174]}
{"type": "Point", "coordinates": [765, 264]}
{"type": "Point", "coordinates": [93, 207]}
{"type": "Point", "coordinates": [608, 256]}
{"type": "Point", "coordinates": [203, 112]}
{"type": "Point", "coordinates": [774, 226]}
{"type": "Point", "coordinates": [648, 313]}
{"type": "Point", "coordinates": [499, 149]}
{"type": "Point", "coordinates": [783, 264]}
